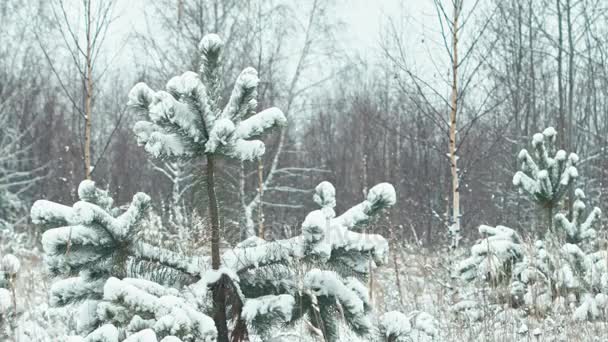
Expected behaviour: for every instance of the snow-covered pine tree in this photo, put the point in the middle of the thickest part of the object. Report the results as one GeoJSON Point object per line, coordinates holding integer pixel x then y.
{"type": "Point", "coordinates": [328, 256]}
{"type": "Point", "coordinates": [187, 122]}
{"type": "Point", "coordinates": [317, 277]}
{"type": "Point", "coordinates": [545, 178]}
{"type": "Point", "coordinates": [568, 267]}
{"type": "Point", "coordinates": [492, 257]}
{"type": "Point", "coordinates": [90, 242]}
{"type": "Point", "coordinates": [563, 269]}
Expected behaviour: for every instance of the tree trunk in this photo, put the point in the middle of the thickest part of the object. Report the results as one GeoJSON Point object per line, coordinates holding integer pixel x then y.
{"type": "Point", "coordinates": [219, 306]}
{"type": "Point", "coordinates": [455, 229]}
{"type": "Point", "coordinates": [560, 86]}
{"type": "Point", "coordinates": [261, 202]}
{"type": "Point", "coordinates": [213, 213]}
{"type": "Point", "coordinates": [219, 292]}
{"type": "Point", "coordinates": [88, 95]}
{"type": "Point", "coordinates": [549, 220]}
{"type": "Point", "coordinates": [571, 118]}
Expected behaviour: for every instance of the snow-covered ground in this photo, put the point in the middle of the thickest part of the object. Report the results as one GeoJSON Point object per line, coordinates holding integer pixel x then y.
{"type": "Point", "coordinates": [425, 286]}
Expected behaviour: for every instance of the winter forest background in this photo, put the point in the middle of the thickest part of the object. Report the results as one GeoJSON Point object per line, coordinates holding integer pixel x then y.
{"type": "Point", "coordinates": [425, 170]}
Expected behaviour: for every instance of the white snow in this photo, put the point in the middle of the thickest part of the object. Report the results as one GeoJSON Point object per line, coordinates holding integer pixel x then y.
{"type": "Point", "coordinates": [281, 305]}
{"type": "Point", "coordinates": [146, 335]}
{"type": "Point", "coordinates": [247, 149]}
{"type": "Point", "coordinates": [105, 333]}
{"type": "Point", "coordinates": [46, 212]}
{"type": "Point", "coordinates": [537, 139]}
{"type": "Point", "coordinates": [242, 100]}
{"type": "Point", "coordinates": [6, 301]}
{"type": "Point", "coordinates": [549, 132]}
{"type": "Point", "coordinates": [185, 83]}
{"type": "Point", "coordinates": [325, 195]}
{"type": "Point", "coordinates": [211, 42]}
{"type": "Point", "coordinates": [140, 95]}
{"type": "Point", "coordinates": [257, 124]}
{"type": "Point", "coordinates": [10, 264]}
{"type": "Point", "coordinates": [220, 135]}
{"type": "Point", "coordinates": [383, 192]}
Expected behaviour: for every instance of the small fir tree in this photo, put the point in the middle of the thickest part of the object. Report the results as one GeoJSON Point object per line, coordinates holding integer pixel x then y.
{"type": "Point", "coordinates": [546, 176]}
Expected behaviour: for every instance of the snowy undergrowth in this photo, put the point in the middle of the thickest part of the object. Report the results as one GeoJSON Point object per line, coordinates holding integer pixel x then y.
{"type": "Point", "coordinates": [425, 286]}
{"type": "Point", "coordinates": [36, 321]}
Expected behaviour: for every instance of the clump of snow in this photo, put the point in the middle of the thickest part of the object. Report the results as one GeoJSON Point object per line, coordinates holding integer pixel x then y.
{"type": "Point", "coordinates": [549, 132]}
{"type": "Point", "coordinates": [47, 212]}
{"type": "Point", "coordinates": [247, 149]}
{"type": "Point", "coordinates": [219, 135]}
{"type": "Point", "coordinates": [10, 264]}
{"type": "Point", "coordinates": [325, 195]}
{"type": "Point", "coordinates": [281, 305]}
{"type": "Point", "coordinates": [211, 42]}
{"type": "Point", "coordinates": [258, 124]}
{"type": "Point", "coordinates": [105, 333]}
{"type": "Point", "coordinates": [395, 326]}
{"type": "Point", "coordinates": [146, 335]}
{"type": "Point", "coordinates": [537, 139]}
{"type": "Point", "coordinates": [6, 301]}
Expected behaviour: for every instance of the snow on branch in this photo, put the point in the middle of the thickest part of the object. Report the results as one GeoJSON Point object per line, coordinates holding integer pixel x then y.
{"type": "Point", "coordinates": [321, 233]}
{"type": "Point", "coordinates": [580, 228]}
{"type": "Point", "coordinates": [329, 284]}
{"type": "Point", "coordinates": [395, 326]}
{"type": "Point", "coordinates": [95, 241]}
{"type": "Point", "coordinates": [166, 314]}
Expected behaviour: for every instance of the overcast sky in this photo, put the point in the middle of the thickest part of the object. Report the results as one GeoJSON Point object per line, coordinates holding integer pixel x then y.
{"type": "Point", "coordinates": [363, 20]}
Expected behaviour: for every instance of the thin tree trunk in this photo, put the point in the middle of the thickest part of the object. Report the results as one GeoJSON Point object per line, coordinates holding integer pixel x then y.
{"type": "Point", "coordinates": [261, 201]}
{"type": "Point", "coordinates": [452, 134]}
{"type": "Point", "coordinates": [213, 213]}
{"type": "Point", "coordinates": [219, 316]}
{"type": "Point", "coordinates": [219, 292]}
{"type": "Point", "coordinates": [247, 224]}
{"type": "Point", "coordinates": [532, 102]}
{"type": "Point", "coordinates": [549, 219]}
{"type": "Point", "coordinates": [560, 86]}
{"type": "Point", "coordinates": [88, 95]}
{"type": "Point", "coordinates": [571, 119]}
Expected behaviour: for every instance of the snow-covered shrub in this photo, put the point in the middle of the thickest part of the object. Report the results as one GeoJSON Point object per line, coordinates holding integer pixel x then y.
{"type": "Point", "coordinates": [560, 270]}
{"type": "Point", "coordinates": [492, 257]}
{"type": "Point", "coordinates": [93, 241]}
{"type": "Point", "coordinates": [417, 326]}
{"type": "Point", "coordinates": [563, 270]}
{"type": "Point", "coordinates": [9, 267]}
{"type": "Point", "coordinates": [545, 178]}
{"type": "Point", "coordinates": [330, 259]}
